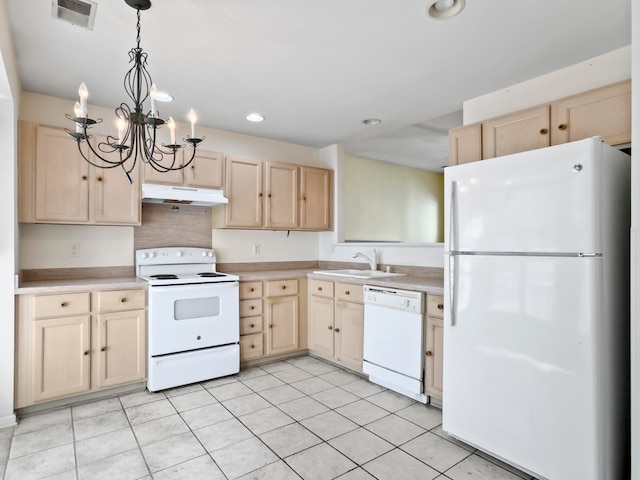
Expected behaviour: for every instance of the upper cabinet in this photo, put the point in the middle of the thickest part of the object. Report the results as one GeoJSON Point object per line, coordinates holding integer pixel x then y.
{"type": "Point", "coordinates": [56, 185]}
{"type": "Point", "coordinates": [604, 112]}
{"type": "Point", "coordinates": [205, 171]}
{"type": "Point", "coordinates": [274, 196]}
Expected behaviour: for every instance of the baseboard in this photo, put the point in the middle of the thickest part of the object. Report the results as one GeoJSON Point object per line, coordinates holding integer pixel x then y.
{"type": "Point", "coordinates": [8, 421]}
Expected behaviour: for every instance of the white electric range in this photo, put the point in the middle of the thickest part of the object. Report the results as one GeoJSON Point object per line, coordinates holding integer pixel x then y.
{"type": "Point", "coordinates": [194, 326]}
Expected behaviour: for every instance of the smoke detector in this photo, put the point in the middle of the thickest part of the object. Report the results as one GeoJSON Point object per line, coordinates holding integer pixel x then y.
{"type": "Point", "coordinates": [77, 12]}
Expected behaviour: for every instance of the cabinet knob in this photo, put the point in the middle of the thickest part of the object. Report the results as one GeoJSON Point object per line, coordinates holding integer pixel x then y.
{"type": "Point", "coordinates": [330, 327]}
{"type": "Point", "coordinates": [64, 304]}
{"type": "Point", "coordinates": [84, 177]}
{"type": "Point", "coordinates": [253, 346]}
{"type": "Point", "coordinates": [337, 330]}
{"type": "Point", "coordinates": [270, 325]}
{"type": "Point", "coordinates": [347, 292]}
{"type": "Point", "coordinates": [252, 289]}
{"type": "Point", "coordinates": [252, 307]}
{"type": "Point", "coordinates": [269, 195]}
{"type": "Point", "coordinates": [99, 179]}
{"type": "Point", "coordinates": [319, 289]}
{"type": "Point", "coordinates": [251, 325]}
{"type": "Point", "coordinates": [440, 306]}
{"type": "Point", "coordinates": [429, 353]}
{"type": "Point", "coordinates": [103, 349]}
{"type": "Point", "coordinates": [544, 131]}
{"type": "Point", "coordinates": [123, 300]}
{"type": "Point", "coordinates": [283, 287]}
{"type": "Point", "coordinates": [260, 194]}
{"type": "Point", "coordinates": [87, 352]}
{"type": "Point", "coordinates": [562, 126]}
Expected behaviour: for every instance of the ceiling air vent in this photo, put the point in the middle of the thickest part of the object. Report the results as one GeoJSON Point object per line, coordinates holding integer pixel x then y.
{"type": "Point", "coordinates": [77, 12]}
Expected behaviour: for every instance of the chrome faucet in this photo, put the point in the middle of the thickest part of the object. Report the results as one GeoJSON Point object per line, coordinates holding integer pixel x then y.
{"type": "Point", "coordinates": [373, 260]}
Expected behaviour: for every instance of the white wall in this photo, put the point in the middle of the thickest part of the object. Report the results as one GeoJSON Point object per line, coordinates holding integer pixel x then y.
{"type": "Point", "coordinates": [9, 98]}
{"type": "Point", "coordinates": [593, 73]}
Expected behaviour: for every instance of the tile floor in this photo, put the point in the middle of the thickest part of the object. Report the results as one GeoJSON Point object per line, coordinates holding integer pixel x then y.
{"type": "Point", "coordinates": [299, 418]}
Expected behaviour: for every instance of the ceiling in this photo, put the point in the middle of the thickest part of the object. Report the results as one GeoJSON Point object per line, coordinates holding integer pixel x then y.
{"type": "Point", "coordinates": [315, 70]}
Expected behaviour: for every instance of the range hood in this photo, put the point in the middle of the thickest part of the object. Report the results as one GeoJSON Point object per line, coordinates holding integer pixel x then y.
{"type": "Point", "coordinates": [202, 197]}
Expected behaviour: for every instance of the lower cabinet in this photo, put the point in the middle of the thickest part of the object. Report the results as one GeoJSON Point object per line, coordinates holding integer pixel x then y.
{"type": "Point", "coordinates": [75, 343]}
{"type": "Point", "coordinates": [433, 346]}
{"type": "Point", "coordinates": [270, 319]}
{"type": "Point", "coordinates": [336, 321]}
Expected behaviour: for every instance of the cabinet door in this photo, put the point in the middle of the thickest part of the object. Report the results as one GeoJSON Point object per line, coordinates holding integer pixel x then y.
{"type": "Point", "coordinates": [516, 132]}
{"type": "Point", "coordinates": [281, 189]}
{"type": "Point", "coordinates": [281, 325]}
{"type": "Point", "coordinates": [62, 178]}
{"type": "Point", "coordinates": [205, 171]}
{"type": "Point", "coordinates": [172, 177]}
{"type": "Point", "coordinates": [315, 198]}
{"type": "Point", "coordinates": [320, 319]}
{"type": "Point", "coordinates": [349, 332]}
{"type": "Point", "coordinates": [434, 355]}
{"type": "Point", "coordinates": [465, 144]}
{"type": "Point", "coordinates": [604, 111]}
{"type": "Point", "coordinates": [250, 347]}
{"type": "Point", "coordinates": [119, 346]}
{"type": "Point", "coordinates": [61, 351]}
{"type": "Point", "coordinates": [115, 200]}
{"type": "Point", "coordinates": [243, 187]}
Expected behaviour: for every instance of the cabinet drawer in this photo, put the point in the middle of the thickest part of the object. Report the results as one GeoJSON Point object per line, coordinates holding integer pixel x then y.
{"type": "Point", "coordinates": [250, 346]}
{"type": "Point", "coordinates": [250, 307]}
{"type": "Point", "coordinates": [280, 288]}
{"type": "Point", "coordinates": [435, 305]}
{"type": "Point", "coordinates": [250, 290]}
{"type": "Point", "coordinates": [349, 292]}
{"type": "Point", "coordinates": [62, 305]}
{"type": "Point", "coordinates": [116, 300]}
{"type": "Point", "coordinates": [250, 325]}
{"type": "Point", "coordinates": [320, 288]}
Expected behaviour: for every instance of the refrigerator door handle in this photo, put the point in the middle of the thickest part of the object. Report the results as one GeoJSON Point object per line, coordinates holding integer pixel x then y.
{"type": "Point", "coordinates": [453, 231]}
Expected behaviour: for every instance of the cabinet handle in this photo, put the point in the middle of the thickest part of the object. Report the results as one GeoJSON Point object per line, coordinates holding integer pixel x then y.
{"type": "Point", "coordinates": [319, 289]}
{"type": "Point", "coordinates": [347, 292]}
{"type": "Point", "coordinates": [64, 304]}
{"type": "Point", "coordinates": [440, 306]}
{"type": "Point", "coordinates": [103, 349]}
{"type": "Point", "coordinates": [330, 327]}
{"type": "Point", "coordinates": [87, 352]}
{"type": "Point", "coordinates": [123, 300]}
{"type": "Point", "coordinates": [337, 330]}
{"type": "Point", "coordinates": [544, 131]}
{"type": "Point", "coordinates": [429, 353]}
{"type": "Point", "coordinates": [562, 126]}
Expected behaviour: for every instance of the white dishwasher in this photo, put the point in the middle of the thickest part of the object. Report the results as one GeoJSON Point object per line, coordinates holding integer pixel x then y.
{"type": "Point", "coordinates": [394, 340]}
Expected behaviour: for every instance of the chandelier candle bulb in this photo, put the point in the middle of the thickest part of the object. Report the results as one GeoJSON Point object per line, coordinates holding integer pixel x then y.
{"type": "Point", "coordinates": [77, 112]}
{"type": "Point", "coordinates": [172, 130]}
{"type": "Point", "coordinates": [84, 94]}
{"type": "Point", "coordinates": [153, 94]}
{"type": "Point", "coordinates": [122, 126]}
{"type": "Point", "coordinates": [192, 119]}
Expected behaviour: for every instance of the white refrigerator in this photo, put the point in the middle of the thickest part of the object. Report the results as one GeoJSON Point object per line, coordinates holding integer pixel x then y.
{"type": "Point", "coordinates": [536, 336]}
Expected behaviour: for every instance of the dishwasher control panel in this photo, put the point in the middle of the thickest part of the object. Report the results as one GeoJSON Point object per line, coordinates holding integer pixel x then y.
{"type": "Point", "coordinates": [405, 300]}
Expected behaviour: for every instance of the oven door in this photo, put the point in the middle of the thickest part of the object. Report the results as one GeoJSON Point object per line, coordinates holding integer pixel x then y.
{"type": "Point", "coordinates": [189, 317]}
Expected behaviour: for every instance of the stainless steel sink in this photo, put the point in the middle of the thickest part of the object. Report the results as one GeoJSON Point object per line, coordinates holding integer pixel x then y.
{"type": "Point", "coordinates": [354, 273]}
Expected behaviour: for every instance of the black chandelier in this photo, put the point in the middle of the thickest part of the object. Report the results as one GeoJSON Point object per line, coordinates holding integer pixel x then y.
{"type": "Point", "coordinates": [136, 129]}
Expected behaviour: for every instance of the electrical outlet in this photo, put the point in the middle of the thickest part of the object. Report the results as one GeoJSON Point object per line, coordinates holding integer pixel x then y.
{"type": "Point", "coordinates": [74, 252]}
{"type": "Point", "coordinates": [256, 249]}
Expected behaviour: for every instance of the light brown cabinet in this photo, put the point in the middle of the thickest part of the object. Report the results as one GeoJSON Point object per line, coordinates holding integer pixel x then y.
{"type": "Point", "coordinates": [281, 316]}
{"type": "Point", "coordinates": [74, 343]}
{"type": "Point", "coordinates": [274, 196]}
{"type": "Point", "coordinates": [336, 321]}
{"type": "Point", "coordinates": [465, 144]}
{"type": "Point", "coordinates": [56, 185]}
{"type": "Point", "coordinates": [434, 345]}
{"type": "Point", "coordinates": [251, 342]}
{"type": "Point", "coordinates": [604, 112]}
{"type": "Point", "coordinates": [205, 171]}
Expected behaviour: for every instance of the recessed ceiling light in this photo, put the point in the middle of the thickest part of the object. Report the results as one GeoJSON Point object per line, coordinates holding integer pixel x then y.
{"type": "Point", "coordinates": [372, 121]}
{"type": "Point", "coordinates": [443, 9]}
{"type": "Point", "coordinates": [255, 117]}
{"type": "Point", "coordinates": [164, 97]}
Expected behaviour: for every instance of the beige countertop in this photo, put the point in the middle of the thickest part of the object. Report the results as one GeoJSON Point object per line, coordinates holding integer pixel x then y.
{"type": "Point", "coordinates": [407, 282]}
